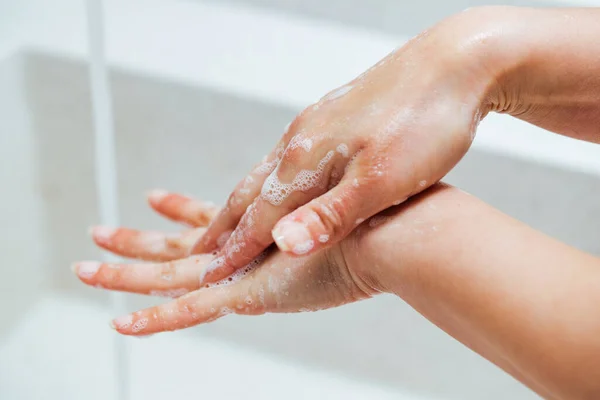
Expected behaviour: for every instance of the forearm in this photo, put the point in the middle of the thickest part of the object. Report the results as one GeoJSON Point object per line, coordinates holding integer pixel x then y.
{"type": "Point", "coordinates": [522, 300]}
{"type": "Point", "coordinates": [543, 65]}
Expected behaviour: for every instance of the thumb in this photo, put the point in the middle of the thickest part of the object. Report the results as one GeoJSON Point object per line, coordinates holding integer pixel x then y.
{"type": "Point", "coordinates": [325, 220]}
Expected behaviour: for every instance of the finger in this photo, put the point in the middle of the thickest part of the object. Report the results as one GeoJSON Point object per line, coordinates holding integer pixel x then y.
{"type": "Point", "coordinates": [253, 233]}
{"type": "Point", "coordinates": [182, 209]}
{"type": "Point", "coordinates": [145, 245]}
{"type": "Point", "coordinates": [201, 306]}
{"type": "Point", "coordinates": [171, 279]}
{"type": "Point", "coordinates": [327, 219]}
{"type": "Point", "coordinates": [223, 224]}
{"type": "Point", "coordinates": [240, 199]}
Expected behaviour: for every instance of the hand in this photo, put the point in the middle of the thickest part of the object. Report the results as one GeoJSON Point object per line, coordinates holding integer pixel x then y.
{"type": "Point", "coordinates": [274, 282]}
{"type": "Point", "coordinates": [371, 144]}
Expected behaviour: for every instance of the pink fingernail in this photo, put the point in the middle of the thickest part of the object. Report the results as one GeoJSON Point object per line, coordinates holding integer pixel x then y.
{"type": "Point", "coordinates": [86, 269]}
{"type": "Point", "coordinates": [294, 236]}
{"type": "Point", "coordinates": [122, 322]}
{"type": "Point", "coordinates": [157, 195]}
{"type": "Point", "coordinates": [103, 233]}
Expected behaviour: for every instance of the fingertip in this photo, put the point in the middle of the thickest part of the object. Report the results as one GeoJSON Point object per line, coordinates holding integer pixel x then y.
{"type": "Point", "coordinates": [293, 237]}
{"type": "Point", "coordinates": [280, 240]}
{"type": "Point", "coordinates": [155, 196]}
{"type": "Point", "coordinates": [86, 270]}
{"type": "Point", "coordinates": [102, 234]}
{"type": "Point", "coordinates": [122, 323]}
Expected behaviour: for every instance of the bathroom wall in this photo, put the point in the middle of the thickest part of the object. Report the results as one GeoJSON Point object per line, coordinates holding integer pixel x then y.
{"type": "Point", "coordinates": [182, 75]}
{"type": "Point", "coordinates": [21, 223]}
{"type": "Point", "coordinates": [392, 16]}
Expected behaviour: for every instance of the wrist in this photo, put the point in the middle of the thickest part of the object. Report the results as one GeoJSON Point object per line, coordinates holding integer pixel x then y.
{"type": "Point", "coordinates": [490, 45]}
{"type": "Point", "coordinates": [387, 251]}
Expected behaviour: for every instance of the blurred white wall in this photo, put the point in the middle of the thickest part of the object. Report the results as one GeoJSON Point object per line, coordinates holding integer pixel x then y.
{"type": "Point", "coordinates": [186, 70]}
{"type": "Point", "coordinates": [393, 16]}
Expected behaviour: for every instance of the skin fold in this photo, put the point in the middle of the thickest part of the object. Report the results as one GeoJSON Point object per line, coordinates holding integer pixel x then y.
{"type": "Point", "coordinates": [328, 196]}
{"type": "Point", "coordinates": [402, 125]}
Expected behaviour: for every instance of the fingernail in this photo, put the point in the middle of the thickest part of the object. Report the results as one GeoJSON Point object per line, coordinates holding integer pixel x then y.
{"type": "Point", "coordinates": [122, 322]}
{"type": "Point", "coordinates": [157, 195]}
{"type": "Point", "coordinates": [103, 233]}
{"type": "Point", "coordinates": [294, 236]}
{"type": "Point", "coordinates": [86, 269]}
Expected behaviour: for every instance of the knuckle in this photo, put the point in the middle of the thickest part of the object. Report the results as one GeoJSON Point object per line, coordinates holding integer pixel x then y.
{"type": "Point", "coordinates": [160, 315]}
{"type": "Point", "coordinates": [251, 299]}
{"type": "Point", "coordinates": [293, 154]}
{"type": "Point", "coordinates": [332, 216]}
{"type": "Point", "coordinates": [257, 241]}
{"type": "Point", "coordinates": [245, 187]}
{"type": "Point", "coordinates": [301, 144]}
{"type": "Point", "coordinates": [186, 314]}
{"type": "Point", "coordinates": [290, 129]}
{"type": "Point", "coordinates": [243, 248]}
{"type": "Point", "coordinates": [111, 276]}
{"type": "Point", "coordinates": [235, 203]}
{"type": "Point", "coordinates": [305, 115]}
{"type": "Point", "coordinates": [185, 307]}
{"type": "Point", "coordinates": [167, 271]}
{"type": "Point", "coordinates": [335, 177]}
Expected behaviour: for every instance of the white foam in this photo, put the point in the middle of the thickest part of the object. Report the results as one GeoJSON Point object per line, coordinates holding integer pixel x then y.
{"type": "Point", "coordinates": [261, 295]}
{"type": "Point", "coordinates": [343, 149]}
{"type": "Point", "coordinates": [266, 167]}
{"type": "Point", "coordinates": [239, 274]}
{"type": "Point", "coordinates": [139, 325]}
{"type": "Point", "coordinates": [303, 248]}
{"type": "Point", "coordinates": [275, 192]}
{"type": "Point", "coordinates": [170, 293]}
{"type": "Point", "coordinates": [300, 141]}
